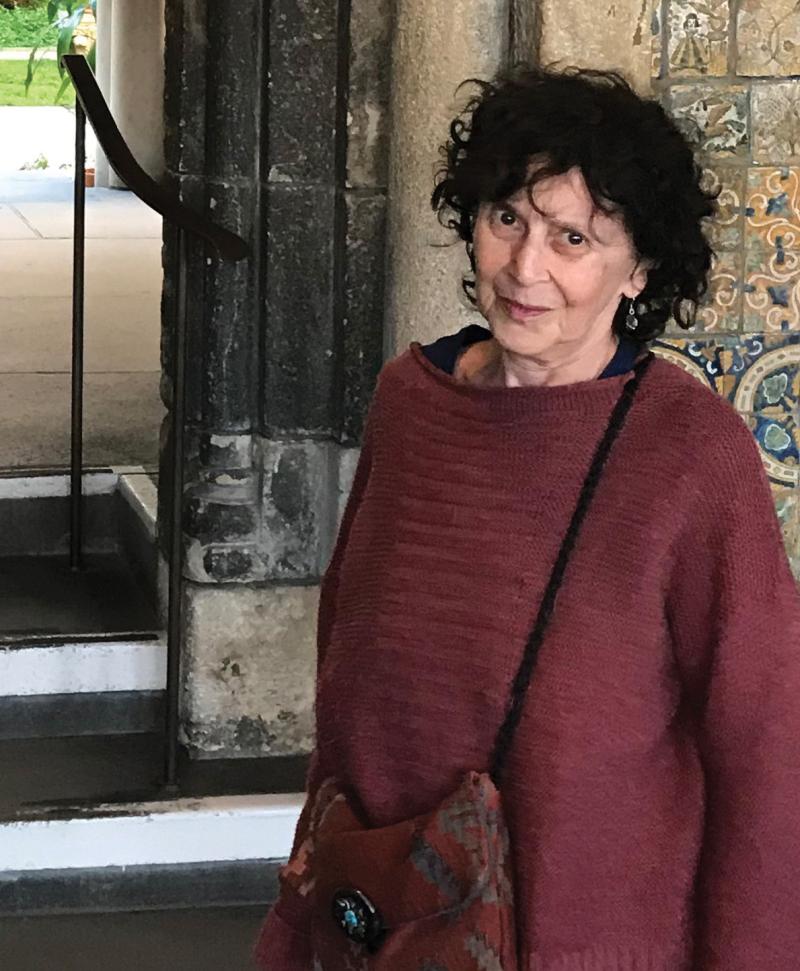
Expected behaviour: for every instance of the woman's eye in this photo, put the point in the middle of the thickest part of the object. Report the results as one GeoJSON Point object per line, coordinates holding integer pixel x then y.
{"type": "Point", "coordinates": [575, 239]}
{"type": "Point", "coordinates": [507, 218]}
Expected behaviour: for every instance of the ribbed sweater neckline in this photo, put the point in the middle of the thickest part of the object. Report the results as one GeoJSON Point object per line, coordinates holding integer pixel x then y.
{"type": "Point", "coordinates": [582, 399]}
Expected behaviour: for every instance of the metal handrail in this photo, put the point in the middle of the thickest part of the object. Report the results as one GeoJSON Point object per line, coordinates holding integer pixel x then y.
{"type": "Point", "coordinates": [120, 158]}
{"type": "Point", "coordinates": [92, 106]}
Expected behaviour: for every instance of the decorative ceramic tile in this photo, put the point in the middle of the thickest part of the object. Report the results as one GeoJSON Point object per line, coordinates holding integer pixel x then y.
{"type": "Point", "coordinates": [772, 247]}
{"type": "Point", "coordinates": [773, 206]}
{"type": "Point", "coordinates": [768, 38]}
{"type": "Point", "coordinates": [726, 230]}
{"type": "Point", "coordinates": [772, 295]}
{"type": "Point", "coordinates": [767, 373]}
{"type": "Point", "coordinates": [714, 119]}
{"type": "Point", "coordinates": [721, 309]}
{"type": "Point", "coordinates": [761, 376]}
{"type": "Point", "coordinates": [701, 359]}
{"type": "Point", "coordinates": [776, 122]}
{"type": "Point", "coordinates": [787, 506]}
{"type": "Point", "coordinates": [698, 41]}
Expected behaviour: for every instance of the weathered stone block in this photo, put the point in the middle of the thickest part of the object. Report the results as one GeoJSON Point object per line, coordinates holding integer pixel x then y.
{"type": "Point", "coordinates": [348, 462]}
{"type": "Point", "coordinates": [299, 505]}
{"type": "Point", "coordinates": [601, 35]}
{"type": "Point", "coordinates": [302, 91]}
{"type": "Point", "coordinates": [371, 23]}
{"type": "Point", "coordinates": [364, 293]}
{"type": "Point", "coordinates": [524, 32]}
{"type": "Point", "coordinates": [300, 364]}
{"type": "Point", "coordinates": [185, 85]}
{"type": "Point", "coordinates": [249, 670]}
{"type": "Point", "coordinates": [230, 330]}
{"type": "Point", "coordinates": [217, 522]}
{"type": "Point", "coordinates": [233, 89]}
{"type": "Point", "coordinates": [225, 452]}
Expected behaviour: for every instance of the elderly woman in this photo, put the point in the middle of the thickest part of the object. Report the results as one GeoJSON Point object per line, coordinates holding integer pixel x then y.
{"type": "Point", "coordinates": [647, 767]}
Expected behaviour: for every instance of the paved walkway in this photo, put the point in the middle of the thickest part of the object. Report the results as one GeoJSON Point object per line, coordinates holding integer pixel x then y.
{"type": "Point", "coordinates": [28, 135]}
{"type": "Point", "coordinates": [123, 293]}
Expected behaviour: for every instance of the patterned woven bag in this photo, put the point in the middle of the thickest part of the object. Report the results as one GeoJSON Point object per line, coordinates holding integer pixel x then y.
{"type": "Point", "coordinates": [433, 893]}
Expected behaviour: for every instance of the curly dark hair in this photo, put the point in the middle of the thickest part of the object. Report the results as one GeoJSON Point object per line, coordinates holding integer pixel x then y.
{"type": "Point", "coordinates": [634, 160]}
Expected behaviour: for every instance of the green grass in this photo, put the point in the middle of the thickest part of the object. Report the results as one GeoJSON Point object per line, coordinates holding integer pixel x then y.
{"type": "Point", "coordinates": [23, 26]}
{"type": "Point", "coordinates": [43, 91]}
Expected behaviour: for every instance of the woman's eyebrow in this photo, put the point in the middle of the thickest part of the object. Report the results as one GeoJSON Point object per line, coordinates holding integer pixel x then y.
{"type": "Point", "coordinates": [577, 227]}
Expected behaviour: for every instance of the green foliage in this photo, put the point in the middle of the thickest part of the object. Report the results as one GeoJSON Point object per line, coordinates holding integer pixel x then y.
{"type": "Point", "coordinates": [27, 26]}
{"type": "Point", "coordinates": [42, 91]}
{"type": "Point", "coordinates": [65, 16]}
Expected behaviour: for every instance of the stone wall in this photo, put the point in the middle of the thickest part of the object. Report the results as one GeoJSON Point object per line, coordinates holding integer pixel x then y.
{"type": "Point", "coordinates": [725, 70]}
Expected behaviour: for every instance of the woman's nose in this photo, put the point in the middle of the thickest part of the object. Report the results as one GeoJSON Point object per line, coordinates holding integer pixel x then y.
{"type": "Point", "coordinates": [529, 262]}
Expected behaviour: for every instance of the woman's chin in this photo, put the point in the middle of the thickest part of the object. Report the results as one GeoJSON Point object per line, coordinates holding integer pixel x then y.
{"type": "Point", "coordinates": [523, 337]}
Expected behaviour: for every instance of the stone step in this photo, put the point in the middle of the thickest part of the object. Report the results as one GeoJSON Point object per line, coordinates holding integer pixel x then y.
{"type": "Point", "coordinates": [191, 939]}
{"type": "Point", "coordinates": [217, 850]}
{"type": "Point", "coordinates": [80, 652]}
{"type": "Point", "coordinates": [85, 825]}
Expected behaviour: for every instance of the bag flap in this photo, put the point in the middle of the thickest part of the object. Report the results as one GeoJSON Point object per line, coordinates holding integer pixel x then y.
{"type": "Point", "coordinates": [429, 865]}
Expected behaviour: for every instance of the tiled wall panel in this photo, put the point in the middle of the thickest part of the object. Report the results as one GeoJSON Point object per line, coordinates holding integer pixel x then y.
{"type": "Point", "coordinates": [726, 70]}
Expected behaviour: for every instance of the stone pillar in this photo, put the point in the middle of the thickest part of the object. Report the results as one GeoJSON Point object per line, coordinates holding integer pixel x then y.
{"type": "Point", "coordinates": [137, 81]}
{"type": "Point", "coordinates": [276, 128]}
{"type": "Point", "coordinates": [105, 19]}
{"type": "Point", "coordinates": [437, 45]}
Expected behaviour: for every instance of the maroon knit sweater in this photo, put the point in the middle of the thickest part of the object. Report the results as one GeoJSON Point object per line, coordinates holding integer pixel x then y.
{"type": "Point", "coordinates": [653, 792]}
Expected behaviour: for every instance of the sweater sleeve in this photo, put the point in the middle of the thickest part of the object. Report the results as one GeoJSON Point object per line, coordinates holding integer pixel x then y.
{"type": "Point", "coordinates": [283, 943]}
{"type": "Point", "coordinates": [733, 610]}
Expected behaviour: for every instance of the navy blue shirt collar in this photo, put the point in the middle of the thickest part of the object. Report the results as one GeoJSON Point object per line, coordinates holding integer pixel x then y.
{"type": "Point", "coordinates": [444, 352]}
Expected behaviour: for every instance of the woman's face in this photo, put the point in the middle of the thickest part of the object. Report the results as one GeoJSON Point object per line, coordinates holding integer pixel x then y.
{"type": "Point", "coordinates": [549, 282]}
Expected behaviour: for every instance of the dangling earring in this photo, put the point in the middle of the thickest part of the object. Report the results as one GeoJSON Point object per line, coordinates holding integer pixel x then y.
{"type": "Point", "coordinates": [632, 322]}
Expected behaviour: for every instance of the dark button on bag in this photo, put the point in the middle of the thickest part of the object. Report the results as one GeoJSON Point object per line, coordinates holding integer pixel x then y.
{"type": "Point", "coordinates": [358, 918]}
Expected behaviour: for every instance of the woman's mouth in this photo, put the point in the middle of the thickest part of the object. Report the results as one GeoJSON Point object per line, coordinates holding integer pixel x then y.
{"type": "Point", "coordinates": [521, 311]}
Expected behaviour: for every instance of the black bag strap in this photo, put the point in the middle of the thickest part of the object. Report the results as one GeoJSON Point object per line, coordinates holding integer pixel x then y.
{"type": "Point", "coordinates": [519, 687]}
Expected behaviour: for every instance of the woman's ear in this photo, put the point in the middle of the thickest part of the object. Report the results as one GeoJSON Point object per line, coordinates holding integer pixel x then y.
{"type": "Point", "coordinates": [638, 279]}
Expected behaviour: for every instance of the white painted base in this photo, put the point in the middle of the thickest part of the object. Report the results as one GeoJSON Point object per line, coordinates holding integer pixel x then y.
{"type": "Point", "coordinates": [222, 828]}
{"type": "Point", "coordinates": [141, 494]}
{"type": "Point", "coordinates": [56, 485]}
{"type": "Point", "coordinates": [73, 668]}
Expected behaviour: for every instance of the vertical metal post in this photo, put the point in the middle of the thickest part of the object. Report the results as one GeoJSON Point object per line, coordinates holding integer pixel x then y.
{"type": "Point", "coordinates": [79, 247]}
{"type": "Point", "coordinates": [174, 623]}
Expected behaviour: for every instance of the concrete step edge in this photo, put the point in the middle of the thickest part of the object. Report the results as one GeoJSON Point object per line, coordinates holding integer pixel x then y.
{"type": "Point", "coordinates": [83, 666]}
{"type": "Point", "coordinates": [156, 833]}
{"type": "Point", "coordinates": [123, 889]}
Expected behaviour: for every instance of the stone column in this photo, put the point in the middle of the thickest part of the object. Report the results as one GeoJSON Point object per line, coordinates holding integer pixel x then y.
{"type": "Point", "coordinates": [137, 81]}
{"type": "Point", "coordinates": [276, 128]}
{"type": "Point", "coordinates": [437, 45]}
{"type": "Point", "coordinates": [105, 19]}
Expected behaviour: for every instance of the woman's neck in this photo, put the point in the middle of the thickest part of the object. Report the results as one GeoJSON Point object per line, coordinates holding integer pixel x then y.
{"type": "Point", "coordinates": [487, 364]}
